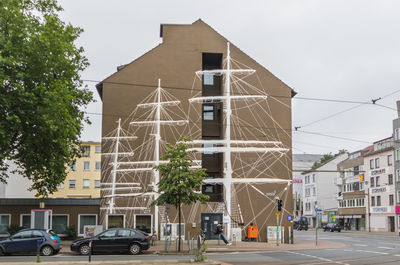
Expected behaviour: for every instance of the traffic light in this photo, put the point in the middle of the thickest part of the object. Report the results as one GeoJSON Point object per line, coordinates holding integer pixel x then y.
{"type": "Point", "coordinates": [279, 205]}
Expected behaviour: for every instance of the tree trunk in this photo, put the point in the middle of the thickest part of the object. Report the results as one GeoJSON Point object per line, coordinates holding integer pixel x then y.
{"type": "Point", "coordinates": [179, 225]}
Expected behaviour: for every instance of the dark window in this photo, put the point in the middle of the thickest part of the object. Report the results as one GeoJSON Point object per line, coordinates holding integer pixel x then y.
{"type": "Point", "coordinates": [372, 182]}
{"type": "Point", "coordinates": [378, 181]}
{"type": "Point", "coordinates": [208, 112]}
{"type": "Point", "coordinates": [371, 164]}
{"type": "Point", "coordinates": [390, 160]}
{"type": "Point", "coordinates": [372, 201]}
{"type": "Point", "coordinates": [36, 234]}
{"type": "Point", "coordinates": [391, 199]}
{"type": "Point", "coordinates": [86, 150]}
{"type": "Point", "coordinates": [124, 233]}
{"type": "Point", "coordinates": [23, 234]}
{"type": "Point", "coordinates": [376, 162]}
{"type": "Point", "coordinates": [390, 179]}
{"type": "Point", "coordinates": [378, 200]}
{"type": "Point", "coordinates": [110, 233]}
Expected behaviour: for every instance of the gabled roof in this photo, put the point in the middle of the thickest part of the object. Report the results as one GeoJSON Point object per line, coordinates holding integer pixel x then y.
{"type": "Point", "coordinates": [99, 86]}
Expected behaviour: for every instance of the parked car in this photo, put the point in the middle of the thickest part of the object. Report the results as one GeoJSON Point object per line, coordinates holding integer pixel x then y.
{"type": "Point", "coordinates": [332, 227]}
{"type": "Point", "coordinates": [301, 224]}
{"type": "Point", "coordinates": [114, 240]}
{"type": "Point", "coordinates": [30, 241]}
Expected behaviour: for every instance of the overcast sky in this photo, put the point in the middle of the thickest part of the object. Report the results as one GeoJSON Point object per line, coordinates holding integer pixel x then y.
{"type": "Point", "coordinates": [346, 50]}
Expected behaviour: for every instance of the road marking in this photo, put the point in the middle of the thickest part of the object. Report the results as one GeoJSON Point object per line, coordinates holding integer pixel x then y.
{"type": "Point", "coordinates": [315, 257]}
{"type": "Point", "coordinates": [385, 247]}
{"type": "Point", "coordinates": [397, 255]}
{"type": "Point", "coordinates": [360, 245]}
{"type": "Point", "coordinates": [374, 252]}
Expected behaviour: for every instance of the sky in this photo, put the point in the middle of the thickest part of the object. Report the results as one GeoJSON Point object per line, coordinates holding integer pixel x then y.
{"type": "Point", "coordinates": [345, 50]}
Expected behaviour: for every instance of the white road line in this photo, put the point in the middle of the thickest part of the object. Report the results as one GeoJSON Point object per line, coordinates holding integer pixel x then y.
{"type": "Point", "coordinates": [360, 245]}
{"type": "Point", "coordinates": [397, 255]}
{"type": "Point", "coordinates": [373, 252]}
{"type": "Point", "coordinates": [315, 257]}
{"type": "Point", "coordinates": [385, 247]}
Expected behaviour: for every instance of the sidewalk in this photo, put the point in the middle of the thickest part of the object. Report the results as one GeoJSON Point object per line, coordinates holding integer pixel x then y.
{"type": "Point", "coordinates": [242, 246]}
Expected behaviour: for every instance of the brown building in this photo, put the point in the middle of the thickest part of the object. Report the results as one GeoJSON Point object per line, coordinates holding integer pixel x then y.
{"type": "Point", "coordinates": [240, 121]}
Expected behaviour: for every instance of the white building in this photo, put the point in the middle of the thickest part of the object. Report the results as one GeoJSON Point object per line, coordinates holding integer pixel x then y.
{"type": "Point", "coordinates": [301, 163]}
{"type": "Point", "coordinates": [319, 188]}
{"type": "Point", "coordinates": [17, 186]}
{"type": "Point", "coordinates": [379, 170]}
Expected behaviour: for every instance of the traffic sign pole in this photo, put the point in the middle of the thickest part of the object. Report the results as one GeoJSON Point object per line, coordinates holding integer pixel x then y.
{"type": "Point", "coordinates": [277, 228]}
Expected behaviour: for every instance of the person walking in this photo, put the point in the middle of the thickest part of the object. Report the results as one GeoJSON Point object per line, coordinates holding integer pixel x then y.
{"type": "Point", "coordinates": [220, 233]}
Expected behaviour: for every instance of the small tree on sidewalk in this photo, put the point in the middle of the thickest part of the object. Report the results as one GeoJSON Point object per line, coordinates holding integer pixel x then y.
{"type": "Point", "coordinates": [179, 184]}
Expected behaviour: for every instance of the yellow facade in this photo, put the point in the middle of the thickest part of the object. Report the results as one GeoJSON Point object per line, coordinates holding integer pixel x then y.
{"type": "Point", "coordinates": [83, 179]}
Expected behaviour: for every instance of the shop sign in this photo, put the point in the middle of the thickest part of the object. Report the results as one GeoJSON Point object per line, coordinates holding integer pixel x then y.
{"type": "Point", "coordinates": [356, 216]}
{"type": "Point", "coordinates": [377, 172]}
{"type": "Point", "coordinates": [348, 216]}
{"type": "Point", "coordinates": [380, 189]}
{"type": "Point", "coordinates": [383, 209]}
{"type": "Point", "coordinates": [339, 217]}
{"type": "Point", "coordinates": [398, 209]}
{"type": "Point", "coordinates": [297, 181]}
{"type": "Point", "coordinates": [309, 186]}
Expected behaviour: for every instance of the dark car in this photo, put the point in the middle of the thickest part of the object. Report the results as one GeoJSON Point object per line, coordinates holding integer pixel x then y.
{"type": "Point", "coordinates": [30, 241]}
{"type": "Point", "coordinates": [332, 227]}
{"type": "Point", "coordinates": [301, 224]}
{"type": "Point", "coordinates": [114, 240]}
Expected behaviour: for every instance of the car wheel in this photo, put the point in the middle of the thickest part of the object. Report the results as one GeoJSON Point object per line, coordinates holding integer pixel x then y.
{"type": "Point", "coordinates": [332, 230]}
{"type": "Point", "coordinates": [338, 230]}
{"type": "Point", "coordinates": [2, 252]}
{"type": "Point", "coordinates": [47, 251]}
{"type": "Point", "coordinates": [84, 249]}
{"type": "Point", "coordinates": [134, 249]}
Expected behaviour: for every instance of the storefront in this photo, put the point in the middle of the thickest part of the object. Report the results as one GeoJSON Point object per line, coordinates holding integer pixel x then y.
{"type": "Point", "coordinates": [352, 222]}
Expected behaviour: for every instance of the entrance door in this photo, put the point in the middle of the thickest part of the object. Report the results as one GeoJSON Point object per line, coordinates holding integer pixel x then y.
{"type": "Point", "coordinates": [391, 223]}
{"type": "Point", "coordinates": [209, 222]}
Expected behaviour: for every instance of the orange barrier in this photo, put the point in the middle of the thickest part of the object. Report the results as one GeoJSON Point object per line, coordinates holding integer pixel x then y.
{"type": "Point", "coordinates": [252, 232]}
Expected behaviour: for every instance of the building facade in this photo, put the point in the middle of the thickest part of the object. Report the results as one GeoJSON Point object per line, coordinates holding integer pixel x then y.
{"type": "Point", "coordinates": [320, 190]}
{"type": "Point", "coordinates": [301, 163]}
{"type": "Point", "coordinates": [379, 169]}
{"type": "Point", "coordinates": [396, 163]}
{"type": "Point", "coordinates": [83, 179]}
{"type": "Point", "coordinates": [351, 195]}
{"type": "Point", "coordinates": [196, 83]}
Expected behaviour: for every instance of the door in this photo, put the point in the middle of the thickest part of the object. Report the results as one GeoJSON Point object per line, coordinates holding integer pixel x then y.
{"type": "Point", "coordinates": [391, 224]}
{"type": "Point", "coordinates": [209, 222]}
{"type": "Point", "coordinates": [20, 242]}
{"type": "Point", "coordinates": [123, 239]}
{"type": "Point", "coordinates": [105, 242]}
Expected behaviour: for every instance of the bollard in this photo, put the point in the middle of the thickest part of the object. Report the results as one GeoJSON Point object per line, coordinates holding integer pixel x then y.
{"type": "Point", "coordinates": [90, 251]}
{"type": "Point", "coordinates": [219, 237]}
{"type": "Point", "coordinates": [38, 251]}
{"type": "Point", "coordinates": [192, 244]}
{"type": "Point", "coordinates": [188, 240]}
{"type": "Point", "coordinates": [198, 247]}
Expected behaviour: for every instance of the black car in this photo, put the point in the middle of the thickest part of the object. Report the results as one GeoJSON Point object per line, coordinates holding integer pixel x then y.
{"type": "Point", "coordinates": [30, 241]}
{"type": "Point", "coordinates": [114, 240]}
{"type": "Point", "coordinates": [332, 227]}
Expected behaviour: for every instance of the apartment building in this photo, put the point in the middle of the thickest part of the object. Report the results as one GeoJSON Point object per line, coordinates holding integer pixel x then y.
{"type": "Point", "coordinates": [196, 83]}
{"type": "Point", "coordinates": [83, 179]}
{"type": "Point", "coordinates": [320, 190]}
{"type": "Point", "coordinates": [379, 173]}
{"type": "Point", "coordinates": [351, 191]}
{"type": "Point", "coordinates": [301, 163]}
{"type": "Point", "coordinates": [396, 163]}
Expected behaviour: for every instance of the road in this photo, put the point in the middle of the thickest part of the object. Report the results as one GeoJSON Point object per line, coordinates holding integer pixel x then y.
{"type": "Point", "coordinates": [362, 249]}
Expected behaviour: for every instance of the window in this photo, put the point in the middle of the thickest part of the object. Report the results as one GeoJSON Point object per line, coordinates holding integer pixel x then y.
{"type": "Point", "coordinates": [36, 234]}
{"type": "Point", "coordinates": [313, 191]}
{"type": "Point", "coordinates": [391, 199]}
{"type": "Point", "coordinates": [97, 184]}
{"type": "Point", "coordinates": [372, 182]}
{"type": "Point", "coordinates": [372, 201]}
{"type": "Point", "coordinates": [208, 189]}
{"type": "Point", "coordinates": [208, 112]}
{"type": "Point", "coordinates": [25, 221]}
{"type": "Point", "coordinates": [5, 220]}
{"type": "Point", "coordinates": [398, 174]}
{"type": "Point", "coordinates": [22, 234]}
{"type": "Point", "coordinates": [97, 165]}
{"type": "Point", "coordinates": [97, 149]}
{"type": "Point", "coordinates": [397, 134]}
{"type": "Point", "coordinates": [378, 181]}
{"type": "Point", "coordinates": [313, 178]}
{"type": "Point", "coordinates": [85, 150]}
{"type": "Point", "coordinates": [390, 160]}
{"type": "Point", "coordinates": [208, 79]}
{"type": "Point", "coordinates": [110, 233]}
{"type": "Point", "coordinates": [60, 186]}
{"type": "Point", "coordinates": [86, 165]}
{"type": "Point", "coordinates": [390, 179]}
{"type": "Point", "coordinates": [398, 197]}
{"type": "Point", "coordinates": [371, 164]}
{"type": "Point", "coordinates": [396, 154]}
{"type": "Point", "coordinates": [72, 166]}
{"type": "Point", "coordinates": [143, 223]}
{"type": "Point", "coordinates": [124, 233]}
{"type": "Point", "coordinates": [115, 221]}
{"type": "Point", "coordinates": [86, 219]}
{"type": "Point", "coordinates": [376, 162]}
{"type": "Point", "coordinates": [378, 200]}
{"type": "Point", "coordinates": [60, 223]}
{"type": "Point", "coordinates": [308, 206]}
{"type": "Point", "coordinates": [362, 186]}
{"type": "Point", "coordinates": [86, 184]}
{"type": "Point", "coordinates": [72, 183]}
{"type": "Point", "coordinates": [307, 192]}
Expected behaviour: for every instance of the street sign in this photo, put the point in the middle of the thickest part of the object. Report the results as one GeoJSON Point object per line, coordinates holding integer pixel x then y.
{"type": "Point", "coordinates": [289, 218]}
{"type": "Point", "coordinates": [319, 213]}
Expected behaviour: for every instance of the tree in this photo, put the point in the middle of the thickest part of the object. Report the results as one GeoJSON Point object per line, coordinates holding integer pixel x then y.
{"type": "Point", "coordinates": [179, 183]}
{"type": "Point", "coordinates": [40, 95]}
{"type": "Point", "coordinates": [323, 159]}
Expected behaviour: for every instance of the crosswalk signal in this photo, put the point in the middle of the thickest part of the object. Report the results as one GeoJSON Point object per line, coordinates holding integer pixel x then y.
{"type": "Point", "coordinates": [279, 205]}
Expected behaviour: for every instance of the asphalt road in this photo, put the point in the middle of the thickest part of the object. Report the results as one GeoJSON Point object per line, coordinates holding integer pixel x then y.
{"type": "Point", "coordinates": [362, 249]}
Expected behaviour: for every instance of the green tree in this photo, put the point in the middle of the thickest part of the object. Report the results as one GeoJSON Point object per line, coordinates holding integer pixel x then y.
{"type": "Point", "coordinates": [179, 183]}
{"type": "Point", "coordinates": [40, 96]}
{"type": "Point", "coordinates": [323, 159]}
